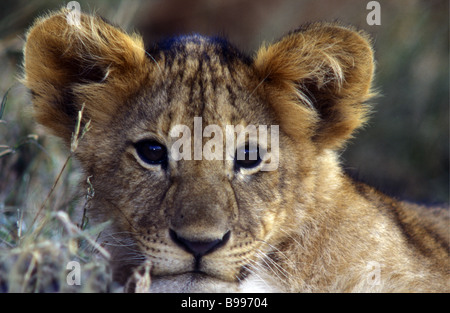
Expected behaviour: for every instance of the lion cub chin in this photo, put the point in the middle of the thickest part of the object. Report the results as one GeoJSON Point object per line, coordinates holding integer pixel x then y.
{"type": "Point", "coordinates": [200, 283]}
{"type": "Point", "coordinates": [192, 283]}
{"type": "Point", "coordinates": [207, 160]}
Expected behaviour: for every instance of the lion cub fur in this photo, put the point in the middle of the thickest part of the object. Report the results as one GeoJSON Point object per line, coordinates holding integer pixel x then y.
{"type": "Point", "coordinates": [306, 226]}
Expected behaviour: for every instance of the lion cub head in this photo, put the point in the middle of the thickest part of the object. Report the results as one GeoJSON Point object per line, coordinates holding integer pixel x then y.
{"type": "Point", "coordinates": [173, 160]}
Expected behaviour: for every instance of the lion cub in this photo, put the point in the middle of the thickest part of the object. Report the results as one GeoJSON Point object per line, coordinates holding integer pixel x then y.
{"type": "Point", "coordinates": [180, 172]}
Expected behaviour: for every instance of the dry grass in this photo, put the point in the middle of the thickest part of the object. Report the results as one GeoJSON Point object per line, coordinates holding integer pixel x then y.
{"type": "Point", "coordinates": [39, 239]}
{"type": "Point", "coordinates": [43, 225]}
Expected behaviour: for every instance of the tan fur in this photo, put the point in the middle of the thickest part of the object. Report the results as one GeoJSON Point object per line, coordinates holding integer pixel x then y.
{"type": "Point", "coordinates": [305, 227]}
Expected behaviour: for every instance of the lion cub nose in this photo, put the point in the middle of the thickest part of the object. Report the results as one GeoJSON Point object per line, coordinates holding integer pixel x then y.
{"type": "Point", "coordinates": [199, 248]}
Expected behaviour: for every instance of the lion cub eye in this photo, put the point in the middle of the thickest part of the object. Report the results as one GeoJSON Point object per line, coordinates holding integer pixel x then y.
{"type": "Point", "coordinates": [247, 157]}
{"type": "Point", "coordinates": [151, 152]}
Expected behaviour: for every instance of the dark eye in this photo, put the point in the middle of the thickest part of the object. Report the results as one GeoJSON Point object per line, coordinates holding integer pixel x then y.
{"type": "Point", "coordinates": [151, 152]}
{"type": "Point", "coordinates": [247, 157]}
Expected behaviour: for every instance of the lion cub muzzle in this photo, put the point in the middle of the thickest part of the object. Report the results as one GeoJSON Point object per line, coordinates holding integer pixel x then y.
{"type": "Point", "coordinates": [201, 222]}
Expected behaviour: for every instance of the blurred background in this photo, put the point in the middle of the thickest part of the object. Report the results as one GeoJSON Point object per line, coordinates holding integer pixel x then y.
{"type": "Point", "coordinates": [403, 151]}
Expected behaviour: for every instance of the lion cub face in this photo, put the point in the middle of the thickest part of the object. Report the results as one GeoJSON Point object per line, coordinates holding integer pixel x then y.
{"type": "Point", "coordinates": [173, 154]}
{"type": "Point", "coordinates": [199, 212]}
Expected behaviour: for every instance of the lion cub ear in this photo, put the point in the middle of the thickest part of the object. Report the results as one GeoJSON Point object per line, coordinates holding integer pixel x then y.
{"type": "Point", "coordinates": [68, 64]}
{"type": "Point", "coordinates": [317, 79]}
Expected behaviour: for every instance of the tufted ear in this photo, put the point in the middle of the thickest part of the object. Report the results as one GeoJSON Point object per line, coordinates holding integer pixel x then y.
{"type": "Point", "coordinates": [317, 79]}
{"type": "Point", "coordinates": [69, 64]}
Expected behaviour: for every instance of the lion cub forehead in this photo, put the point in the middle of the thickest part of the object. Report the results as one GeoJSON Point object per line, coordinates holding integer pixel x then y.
{"type": "Point", "coordinates": [199, 46]}
{"type": "Point", "coordinates": [202, 77]}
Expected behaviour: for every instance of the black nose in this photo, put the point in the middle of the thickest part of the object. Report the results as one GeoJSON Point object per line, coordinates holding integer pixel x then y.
{"type": "Point", "coordinates": [199, 248]}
